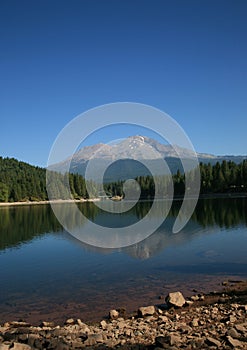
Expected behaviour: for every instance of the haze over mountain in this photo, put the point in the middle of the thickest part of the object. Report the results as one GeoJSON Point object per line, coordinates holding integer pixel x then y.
{"type": "Point", "coordinates": [132, 157]}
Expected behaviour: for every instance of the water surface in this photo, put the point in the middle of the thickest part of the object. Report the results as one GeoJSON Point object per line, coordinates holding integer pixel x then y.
{"type": "Point", "coordinates": [46, 274]}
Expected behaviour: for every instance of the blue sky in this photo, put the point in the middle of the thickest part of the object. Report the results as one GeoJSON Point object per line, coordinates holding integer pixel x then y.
{"type": "Point", "coordinates": [60, 58]}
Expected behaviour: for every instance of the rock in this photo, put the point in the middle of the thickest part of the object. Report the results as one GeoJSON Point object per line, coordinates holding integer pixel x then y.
{"type": "Point", "coordinates": [23, 337]}
{"type": "Point", "coordinates": [194, 322]}
{"type": "Point", "coordinates": [212, 341]}
{"type": "Point", "coordinates": [93, 339]}
{"type": "Point", "coordinates": [174, 339]}
{"type": "Point", "coordinates": [61, 346]}
{"type": "Point", "coordinates": [232, 319]}
{"type": "Point", "coordinates": [82, 325]}
{"type": "Point", "coordinates": [185, 328]}
{"type": "Point", "coordinates": [164, 319]}
{"type": "Point", "coordinates": [103, 324]}
{"type": "Point", "coordinates": [241, 328]}
{"type": "Point", "coordinates": [47, 324]}
{"type": "Point", "coordinates": [32, 338]}
{"type": "Point", "coordinates": [211, 326]}
{"type": "Point", "coordinates": [147, 310]}
{"type": "Point", "coordinates": [19, 324]}
{"type": "Point", "coordinates": [175, 299]}
{"type": "Point", "coordinates": [215, 310]}
{"type": "Point", "coordinates": [76, 344]}
{"type": "Point", "coordinates": [234, 342]}
{"type": "Point", "coordinates": [70, 321]}
{"type": "Point", "coordinates": [113, 314]}
{"type": "Point", "coordinates": [233, 333]}
{"type": "Point", "coordinates": [121, 324]}
{"type": "Point", "coordinates": [194, 298]}
{"type": "Point", "coordinates": [162, 341]}
{"type": "Point", "coordinates": [20, 346]}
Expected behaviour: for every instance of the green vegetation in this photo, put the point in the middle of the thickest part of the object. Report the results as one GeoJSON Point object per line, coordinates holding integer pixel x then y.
{"type": "Point", "coordinates": [20, 181]}
{"type": "Point", "coordinates": [225, 177]}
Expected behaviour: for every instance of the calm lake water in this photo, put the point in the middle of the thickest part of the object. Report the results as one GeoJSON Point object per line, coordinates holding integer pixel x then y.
{"type": "Point", "coordinates": [46, 274]}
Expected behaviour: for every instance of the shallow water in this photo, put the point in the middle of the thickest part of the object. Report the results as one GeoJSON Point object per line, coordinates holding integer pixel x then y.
{"type": "Point", "coordinates": [46, 274]}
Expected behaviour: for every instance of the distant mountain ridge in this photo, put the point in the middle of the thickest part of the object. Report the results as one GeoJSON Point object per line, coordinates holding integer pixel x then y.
{"type": "Point", "coordinates": [129, 154]}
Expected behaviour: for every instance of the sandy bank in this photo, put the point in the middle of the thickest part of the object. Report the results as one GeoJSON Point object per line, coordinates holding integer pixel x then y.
{"type": "Point", "coordinates": [59, 201]}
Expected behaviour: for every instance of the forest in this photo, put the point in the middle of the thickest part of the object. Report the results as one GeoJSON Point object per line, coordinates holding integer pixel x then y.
{"type": "Point", "coordinates": [224, 177]}
{"type": "Point", "coordinates": [20, 181]}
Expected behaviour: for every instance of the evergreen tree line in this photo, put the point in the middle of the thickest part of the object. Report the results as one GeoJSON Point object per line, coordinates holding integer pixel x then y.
{"type": "Point", "coordinates": [20, 181]}
{"type": "Point", "coordinates": [225, 177]}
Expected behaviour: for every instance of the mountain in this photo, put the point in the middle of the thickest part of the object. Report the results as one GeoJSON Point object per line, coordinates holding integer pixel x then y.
{"type": "Point", "coordinates": [131, 157]}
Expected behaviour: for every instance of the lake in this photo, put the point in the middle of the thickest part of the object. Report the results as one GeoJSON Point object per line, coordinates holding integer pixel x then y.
{"type": "Point", "coordinates": [46, 274]}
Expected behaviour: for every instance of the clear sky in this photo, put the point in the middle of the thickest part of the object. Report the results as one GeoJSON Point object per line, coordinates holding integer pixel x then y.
{"type": "Point", "coordinates": [59, 58]}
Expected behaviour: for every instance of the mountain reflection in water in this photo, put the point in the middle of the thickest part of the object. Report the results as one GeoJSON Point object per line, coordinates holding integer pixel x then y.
{"type": "Point", "coordinates": [47, 274]}
{"type": "Point", "coordinates": [20, 225]}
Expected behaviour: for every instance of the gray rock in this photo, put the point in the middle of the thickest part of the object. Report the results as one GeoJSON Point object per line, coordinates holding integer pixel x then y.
{"type": "Point", "coordinates": [103, 324]}
{"type": "Point", "coordinates": [233, 333]}
{"type": "Point", "coordinates": [194, 322]}
{"type": "Point", "coordinates": [162, 342]}
{"type": "Point", "coordinates": [61, 346]}
{"type": "Point", "coordinates": [164, 319]}
{"type": "Point", "coordinates": [70, 321]}
{"type": "Point", "coordinates": [113, 314]}
{"type": "Point", "coordinates": [19, 324]}
{"type": "Point", "coordinates": [212, 341]}
{"type": "Point", "coordinates": [234, 342]}
{"type": "Point", "coordinates": [174, 339]}
{"type": "Point", "coordinates": [197, 343]}
{"type": "Point", "coordinates": [20, 346]}
{"type": "Point", "coordinates": [232, 319]}
{"type": "Point", "coordinates": [5, 346]}
{"type": "Point", "coordinates": [175, 299]}
{"type": "Point", "coordinates": [147, 310]}
{"type": "Point", "coordinates": [241, 328]}
{"type": "Point", "coordinates": [47, 324]}
{"type": "Point", "coordinates": [93, 339]}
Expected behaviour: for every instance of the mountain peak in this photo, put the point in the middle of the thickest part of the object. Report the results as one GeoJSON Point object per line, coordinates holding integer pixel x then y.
{"type": "Point", "coordinates": [135, 148]}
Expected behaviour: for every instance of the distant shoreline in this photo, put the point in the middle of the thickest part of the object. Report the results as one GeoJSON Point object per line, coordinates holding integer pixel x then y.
{"type": "Point", "coordinates": [59, 201]}
{"type": "Point", "coordinates": [55, 201]}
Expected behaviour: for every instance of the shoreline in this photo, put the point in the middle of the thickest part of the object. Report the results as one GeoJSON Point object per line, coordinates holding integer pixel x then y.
{"type": "Point", "coordinates": [55, 201]}
{"type": "Point", "coordinates": [61, 201]}
{"type": "Point", "coordinates": [217, 320]}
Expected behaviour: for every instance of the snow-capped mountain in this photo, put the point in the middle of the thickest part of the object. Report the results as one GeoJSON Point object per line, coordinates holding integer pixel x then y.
{"type": "Point", "coordinates": [128, 154]}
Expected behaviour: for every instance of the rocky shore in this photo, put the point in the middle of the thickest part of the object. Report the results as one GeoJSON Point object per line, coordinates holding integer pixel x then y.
{"type": "Point", "coordinates": [212, 321]}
